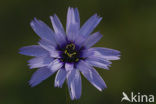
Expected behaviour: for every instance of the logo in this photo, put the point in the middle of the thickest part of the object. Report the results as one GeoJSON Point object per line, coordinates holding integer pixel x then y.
{"type": "Point", "coordinates": [137, 97]}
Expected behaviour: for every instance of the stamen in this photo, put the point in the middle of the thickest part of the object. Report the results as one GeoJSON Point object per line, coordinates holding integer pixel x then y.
{"type": "Point", "coordinates": [77, 60]}
{"type": "Point", "coordinates": [71, 46]}
{"type": "Point", "coordinates": [70, 54]}
{"type": "Point", "coordinates": [65, 51]}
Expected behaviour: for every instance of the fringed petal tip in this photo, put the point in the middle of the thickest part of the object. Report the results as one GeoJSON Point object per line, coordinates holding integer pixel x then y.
{"type": "Point", "coordinates": [90, 25]}
{"type": "Point", "coordinates": [31, 84]}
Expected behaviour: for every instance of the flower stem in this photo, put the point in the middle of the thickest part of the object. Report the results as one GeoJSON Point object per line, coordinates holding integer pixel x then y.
{"type": "Point", "coordinates": [68, 101]}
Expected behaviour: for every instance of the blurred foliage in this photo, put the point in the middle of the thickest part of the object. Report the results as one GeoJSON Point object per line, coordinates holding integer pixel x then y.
{"type": "Point", "coordinates": [127, 25]}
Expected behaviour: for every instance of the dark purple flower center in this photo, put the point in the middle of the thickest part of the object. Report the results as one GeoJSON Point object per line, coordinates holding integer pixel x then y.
{"type": "Point", "coordinates": [70, 53]}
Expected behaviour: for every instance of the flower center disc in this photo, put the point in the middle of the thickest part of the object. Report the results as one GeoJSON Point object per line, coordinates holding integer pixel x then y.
{"type": "Point", "coordinates": [70, 54]}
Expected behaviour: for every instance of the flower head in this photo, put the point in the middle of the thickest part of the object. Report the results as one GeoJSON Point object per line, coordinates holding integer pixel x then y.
{"type": "Point", "coordinates": [68, 53]}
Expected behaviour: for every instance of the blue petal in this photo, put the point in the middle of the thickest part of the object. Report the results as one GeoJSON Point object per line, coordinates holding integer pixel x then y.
{"type": "Point", "coordinates": [91, 75]}
{"type": "Point", "coordinates": [90, 25]}
{"type": "Point", "coordinates": [40, 75]}
{"type": "Point", "coordinates": [69, 66]}
{"type": "Point", "coordinates": [55, 65]}
{"type": "Point", "coordinates": [52, 50]}
{"type": "Point", "coordinates": [74, 84]}
{"type": "Point", "coordinates": [92, 39]}
{"type": "Point", "coordinates": [60, 35]}
{"type": "Point", "coordinates": [98, 62]}
{"type": "Point", "coordinates": [80, 40]}
{"type": "Point", "coordinates": [103, 53]}
{"type": "Point", "coordinates": [60, 78]}
{"type": "Point", "coordinates": [55, 54]}
{"type": "Point", "coordinates": [43, 31]}
{"type": "Point", "coordinates": [41, 61]}
{"type": "Point", "coordinates": [34, 50]}
{"type": "Point", "coordinates": [73, 23]}
{"type": "Point", "coordinates": [58, 28]}
{"type": "Point", "coordinates": [46, 45]}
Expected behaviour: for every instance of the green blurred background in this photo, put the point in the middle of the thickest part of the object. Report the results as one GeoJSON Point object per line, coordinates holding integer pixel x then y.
{"type": "Point", "coordinates": [127, 25]}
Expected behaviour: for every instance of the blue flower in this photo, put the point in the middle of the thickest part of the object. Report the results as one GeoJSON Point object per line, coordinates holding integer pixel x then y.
{"type": "Point", "coordinates": [68, 53]}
